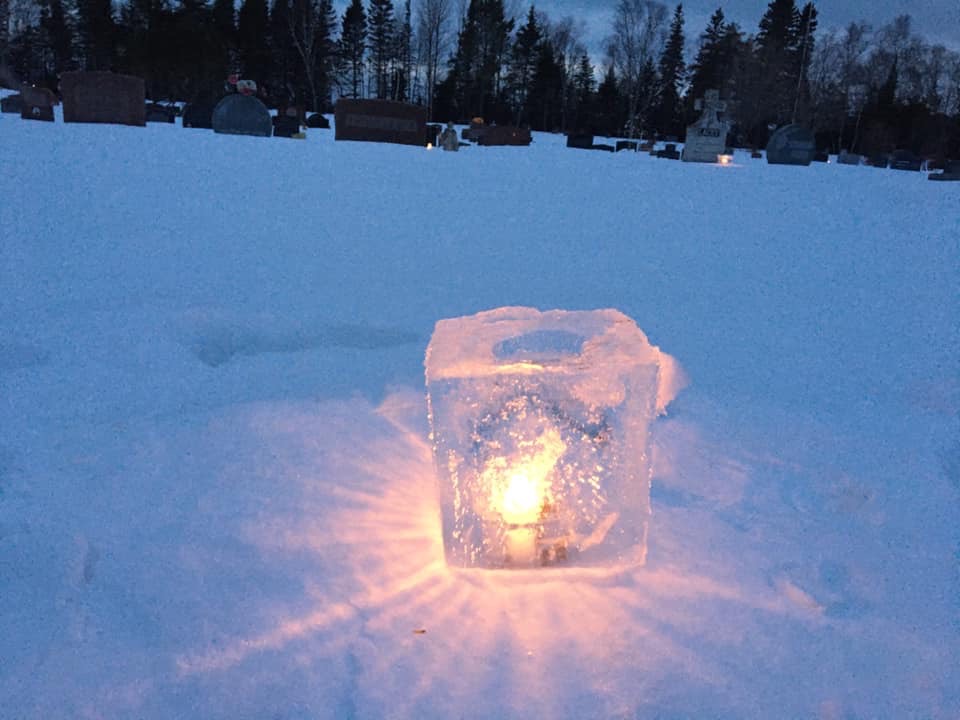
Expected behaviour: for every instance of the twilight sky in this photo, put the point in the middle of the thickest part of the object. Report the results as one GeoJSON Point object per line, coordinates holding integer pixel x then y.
{"type": "Point", "coordinates": [938, 21]}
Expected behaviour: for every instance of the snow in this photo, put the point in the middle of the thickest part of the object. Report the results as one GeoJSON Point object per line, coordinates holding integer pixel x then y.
{"type": "Point", "coordinates": [217, 498]}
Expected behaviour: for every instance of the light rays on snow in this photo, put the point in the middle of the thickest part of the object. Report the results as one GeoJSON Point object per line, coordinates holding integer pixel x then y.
{"type": "Point", "coordinates": [355, 501]}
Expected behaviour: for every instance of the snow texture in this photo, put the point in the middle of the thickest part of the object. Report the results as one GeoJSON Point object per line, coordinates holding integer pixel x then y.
{"type": "Point", "coordinates": [217, 498]}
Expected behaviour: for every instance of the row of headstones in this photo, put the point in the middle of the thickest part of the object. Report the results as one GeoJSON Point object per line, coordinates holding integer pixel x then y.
{"type": "Point", "coordinates": [105, 97]}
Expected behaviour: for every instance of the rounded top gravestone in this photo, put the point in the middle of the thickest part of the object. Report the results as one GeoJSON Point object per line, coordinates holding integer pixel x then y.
{"type": "Point", "coordinates": [239, 114]}
{"type": "Point", "coordinates": [791, 145]}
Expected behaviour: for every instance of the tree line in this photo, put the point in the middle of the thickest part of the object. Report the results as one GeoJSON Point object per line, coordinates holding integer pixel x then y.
{"type": "Point", "coordinates": [863, 88]}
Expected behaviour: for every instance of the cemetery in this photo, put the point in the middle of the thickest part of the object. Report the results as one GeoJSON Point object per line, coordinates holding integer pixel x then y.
{"type": "Point", "coordinates": [349, 428]}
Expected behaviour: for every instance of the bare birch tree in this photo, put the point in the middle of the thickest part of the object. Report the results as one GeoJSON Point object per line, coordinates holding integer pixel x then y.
{"type": "Point", "coordinates": [433, 21]}
{"type": "Point", "coordinates": [638, 36]}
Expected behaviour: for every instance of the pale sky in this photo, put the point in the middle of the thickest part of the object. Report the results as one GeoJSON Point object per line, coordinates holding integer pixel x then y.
{"type": "Point", "coordinates": [937, 21]}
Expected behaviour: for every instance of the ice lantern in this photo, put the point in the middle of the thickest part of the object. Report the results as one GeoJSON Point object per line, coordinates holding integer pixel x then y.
{"type": "Point", "coordinates": [540, 427]}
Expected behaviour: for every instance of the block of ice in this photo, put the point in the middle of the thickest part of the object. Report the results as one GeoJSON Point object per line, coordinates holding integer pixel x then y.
{"type": "Point", "coordinates": [540, 428]}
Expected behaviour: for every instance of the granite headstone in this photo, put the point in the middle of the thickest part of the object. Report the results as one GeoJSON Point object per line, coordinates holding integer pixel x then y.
{"type": "Point", "coordinates": [384, 121]}
{"type": "Point", "coordinates": [103, 97]}
{"type": "Point", "coordinates": [240, 114]}
{"type": "Point", "coordinates": [707, 137]}
{"type": "Point", "coordinates": [791, 145]}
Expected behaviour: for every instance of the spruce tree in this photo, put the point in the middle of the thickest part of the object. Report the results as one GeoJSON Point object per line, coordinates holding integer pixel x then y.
{"type": "Point", "coordinates": [97, 32]}
{"type": "Point", "coordinates": [326, 52]}
{"type": "Point", "coordinates": [253, 48]}
{"type": "Point", "coordinates": [380, 44]}
{"type": "Point", "coordinates": [524, 57]}
{"type": "Point", "coordinates": [669, 114]}
{"type": "Point", "coordinates": [353, 38]}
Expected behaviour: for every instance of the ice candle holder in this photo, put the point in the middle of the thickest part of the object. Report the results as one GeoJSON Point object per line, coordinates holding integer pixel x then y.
{"type": "Point", "coordinates": [540, 424]}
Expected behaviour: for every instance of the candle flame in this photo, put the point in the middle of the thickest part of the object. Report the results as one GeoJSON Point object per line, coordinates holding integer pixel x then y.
{"type": "Point", "coordinates": [520, 486]}
{"type": "Point", "coordinates": [522, 499]}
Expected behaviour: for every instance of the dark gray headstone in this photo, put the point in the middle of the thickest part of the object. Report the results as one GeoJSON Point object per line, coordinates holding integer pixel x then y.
{"type": "Point", "coordinates": [881, 160]}
{"type": "Point", "coordinates": [239, 114]}
{"type": "Point", "coordinates": [318, 121]}
{"type": "Point", "coordinates": [670, 152]}
{"type": "Point", "coordinates": [12, 104]}
{"type": "Point", "coordinates": [581, 141]}
{"type": "Point", "coordinates": [791, 145]}
{"type": "Point", "coordinates": [849, 158]}
{"type": "Point", "coordinates": [285, 126]}
{"type": "Point", "coordinates": [199, 114]}
{"type": "Point", "coordinates": [103, 97]}
{"type": "Point", "coordinates": [905, 160]}
{"type": "Point", "coordinates": [157, 113]}
{"type": "Point", "coordinates": [951, 172]}
{"type": "Point", "coordinates": [626, 145]}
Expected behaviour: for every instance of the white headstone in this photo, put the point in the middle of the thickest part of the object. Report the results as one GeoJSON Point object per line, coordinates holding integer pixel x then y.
{"type": "Point", "coordinates": [707, 137]}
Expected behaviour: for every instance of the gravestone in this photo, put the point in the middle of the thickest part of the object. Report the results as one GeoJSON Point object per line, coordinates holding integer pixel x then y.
{"type": "Point", "coordinates": [951, 172]}
{"type": "Point", "coordinates": [603, 146]}
{"type": "Point", "coordinates": [318, 121]}
{"type": "Point", "coordinates": [670, 152]}
{"type": "Point", "coordinates": [849, 158]}
{"type": "Point", "coordinates": [505, 135]}
{"type": "Point", "coordinates": [12, 104]}
{"type": "Point", "coordinates": [433, 132]}
{"type": "Point", "coordinates": [476, 129]}
{"type": "Point", "coordinates": [385, 121]}
{"type": "Point", "coordinates": [103, 97]}
{"type": "Point", "coordinates": [284, 126]}
{"type": "Point", "coordinates": [630, 145]}
{"type": "Point", "coordinates": [821, 157]}
{"type": "Point", "coordinates": [240, 114]}
{"type": "Point", "coordinates": [707, 137]}
{"type": "Point", "coordinates": [286, 123]}
{"type": "Point", "coordinates": [199, 114]}
{"type": "Point", "coordinates": [37, 103]}
{"type": "Point", "coordinates": [905, 160]}
{"type": "Point", "coordinates": [581, 141]}
{"type": "Point", "coordinates": [157, 113]}
{"type": "Point", "coordinates": [880, 160]}
{"type": "Point", "coordinates": [791, 145]}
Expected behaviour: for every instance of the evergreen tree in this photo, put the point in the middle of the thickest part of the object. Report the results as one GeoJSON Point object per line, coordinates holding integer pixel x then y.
{"type": "Point", "coordinates": [669, 113]}
{"type": "Point", "coordinates": [59, 37]}
{"type": "Point", "coordinates": [286, 70]}
{"type": "Point", "coordinates": [142, 48]}
{"type": "Point", "coordinates": [326, 53]}
{"type": "Point", "coordinates": [223, 17]}
{"type": "Point", "coordinates": [610, 105]}
{"type": "Point", "coordinates": [380, 44]}
{"type": "Point", "coordinates": [473, 85]}
{"type": "Point", "coordinates": [97, 31]}
{"type": "Point", "coordinates": [707, 70]}
{"type": "Point", "coordinates": [192, 54]}
{"type": "Point", "coordinates": [776, 56]}
{"type": "Point", "coordinates": [401, 64]}
{"type": "Point", "coordinates": [253, 46]}
{"type": "Point", "coordinates": [581, 117]}
{"type": "Point", "coordinates": [545, 99]}
{"type": "Point", "coordinates": [524, 58]}
{"type": "Point", "coordinates": [353, 38]}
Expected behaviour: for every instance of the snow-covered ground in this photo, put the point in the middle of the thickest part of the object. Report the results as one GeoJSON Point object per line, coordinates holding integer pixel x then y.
{"type": "Point", "coordinates": [217, 497]}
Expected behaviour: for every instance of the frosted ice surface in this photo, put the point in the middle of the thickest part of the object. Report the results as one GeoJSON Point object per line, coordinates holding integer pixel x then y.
{"type": "Point", "coordinates": [540, 425]}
